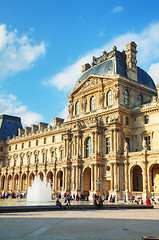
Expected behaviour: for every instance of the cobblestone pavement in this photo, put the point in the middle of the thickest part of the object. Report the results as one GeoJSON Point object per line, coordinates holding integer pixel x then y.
{"type": "Point", "coordinates": [95, 224]}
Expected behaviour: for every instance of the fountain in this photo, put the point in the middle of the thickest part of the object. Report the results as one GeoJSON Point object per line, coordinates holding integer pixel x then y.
{"type": "Point", "coordinates": [39, 192]}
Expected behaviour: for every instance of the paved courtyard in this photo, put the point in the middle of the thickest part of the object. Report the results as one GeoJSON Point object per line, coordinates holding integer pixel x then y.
{"type": "Point", "coordinates": [94, 224]}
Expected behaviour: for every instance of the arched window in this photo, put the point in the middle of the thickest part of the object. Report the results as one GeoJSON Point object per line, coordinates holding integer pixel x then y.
{"type": "Point", "coordinates": [77, 108]}
{"type": "Point", "coordinates": [92, 104]}
{"type": "Point", "coordinates": [88, 147]}
{"type": "Point", "coordinates": [109, 98]}
{"type": "Point", "coordinates": [126, 97]}
{"type": "Point", "coordinates": [140, 99]}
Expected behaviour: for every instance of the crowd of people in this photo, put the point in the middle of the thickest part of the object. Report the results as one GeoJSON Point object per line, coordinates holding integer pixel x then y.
{"type": "Point", "coordinates": [6, 195]}
{"type": "Point", "coordinates": [139, 200]}
{"type": "Point", "coordinates": [98, 201]}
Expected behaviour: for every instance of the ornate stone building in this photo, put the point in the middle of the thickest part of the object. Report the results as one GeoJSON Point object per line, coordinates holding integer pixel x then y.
{"type": "Point", "coordinates": [109, 143]}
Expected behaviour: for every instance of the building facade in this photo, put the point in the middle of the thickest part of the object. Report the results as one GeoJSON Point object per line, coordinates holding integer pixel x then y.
{"type": "Point", "coordinates": [108, 144]}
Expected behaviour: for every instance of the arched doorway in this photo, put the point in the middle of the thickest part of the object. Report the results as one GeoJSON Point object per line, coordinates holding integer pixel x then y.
{"type": "Point", "coordinates": [16, 178]}
{"type": "Point", "coordinates": [137, 179]}
{"type": "Point", "coordinates": [3, 182]}
{"type": "Point", "coordinates": [50, 178]}
{"type": "Point", "coordinates": [86, 181]}
{"type": "Point", "coordinates": [31, 179]}
{"type": "Point", "coordinates": [41, 176]}
{"type": "Point", "coordinates": [59, 180]}
{"type": "Point", "coordinates": [9, 183]}
{"type": "Point", "coordinates": [155, 178]}
{"type": "Point", "coordinates": [23, 186]}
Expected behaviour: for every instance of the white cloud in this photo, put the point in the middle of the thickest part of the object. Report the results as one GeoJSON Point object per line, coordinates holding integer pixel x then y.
{"type": "Point", "coordinates": [154, 72]}
{"type": "Point", "coordinates": [17, 52]}
{"type": "Point", "coordinates": [118, 9]}
{"type": "Point", "coordinates": [9, 105]}
{"type": "Point", "coordinates": [147, 47]}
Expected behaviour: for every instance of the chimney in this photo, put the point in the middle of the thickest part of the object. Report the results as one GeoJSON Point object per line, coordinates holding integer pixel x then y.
{"type": "Point", "coordinates": [27, 130]}
{"type": "Point", "coordinates": [42, 126]}
{"type": "Point", "coordinates": [34, 128]}
{"type": "Point", "coordinates": [21, 132]}
{"type": "Point", "coordinates": [131, 60]}
{"type": "Point", "coordinates": [85, 67]}
{"type": "Point", "coordinates": [58, 121]}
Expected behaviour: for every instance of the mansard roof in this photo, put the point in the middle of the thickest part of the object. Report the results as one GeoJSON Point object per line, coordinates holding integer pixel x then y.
{"type": "Point", "coordinates": [112, 63]}
{"type": "Point", "coordinates": [9, 126]}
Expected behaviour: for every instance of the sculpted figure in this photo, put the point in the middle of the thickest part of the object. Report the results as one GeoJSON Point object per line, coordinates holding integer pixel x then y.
{"type": "Point", "coordinates": [70, 108]}
{"type": "Point", "coordinates": [84, 104]}
{"type": "Point", "coordinates": [101, 98]}
{"type": "Point", "coordinates": [144, 144]}
{"type": "Point", "coordinates": [116, 93]}
{"type": "Point", "coordinates": [126, 147]}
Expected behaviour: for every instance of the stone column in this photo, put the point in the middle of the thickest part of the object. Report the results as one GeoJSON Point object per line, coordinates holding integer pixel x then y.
{"type": "Point", "coordinates": [115, 176]}
{"type": "Point", "coordinates": [145, 183]}
{"type": "Point", "coordinates": [75, 145]}
{"type": "Point", "coordinates": [66, 178]}
{"type": "Point", "coordinates": [126, 181]}
{"type": "Point", "coordinates": [75, 183]}
{"type": "Point", "coordinates": [81, 178]}
{"type": "Point", "coordinates": [65, 147]}
{"type": "Point", "coordinates": [19, 184]}
{"type": "Point", "coordinates": [100, 143]}
{"type": "Point", "coordinates": [96, 176]}
{"type": "Point", "coordinates": [92, 177]}
{"type": "Point", "coordinates": [112, 176]}
{"type": "Point", "coordinates": [54, 179]}
{"type": "Point", "coordinates": [12, 181]}
{"type": "Point", "coordinates": [115, 140]}
{"type": "Point", "coordinates": [77, 178]}
{"type": "Point", "coordinates": [93, 142]}
{"type": "Point", "coordinates": [78, 145]}
{"type": "Point", "coordinates": [96, 146]}
{"type": "Point", "coordinates": [112, 139]}
{"type": "Point", "coordinates": [68, 146]}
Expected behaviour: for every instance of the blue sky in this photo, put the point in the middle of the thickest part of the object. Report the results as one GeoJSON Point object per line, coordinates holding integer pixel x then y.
{"type": "Point", "coordinates": [43, 45]}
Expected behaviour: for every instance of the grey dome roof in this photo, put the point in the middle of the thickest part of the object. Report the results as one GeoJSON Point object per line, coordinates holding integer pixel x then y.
{"type": "Point", "coordinates": [113, 66]}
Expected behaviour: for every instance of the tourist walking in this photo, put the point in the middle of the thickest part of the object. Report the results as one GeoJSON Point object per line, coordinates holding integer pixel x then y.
{"type": "Point", "coordinates": [67, 204]}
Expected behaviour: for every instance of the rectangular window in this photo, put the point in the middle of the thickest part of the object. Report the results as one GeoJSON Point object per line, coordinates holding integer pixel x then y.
{"type": "Point", "coordinates": [44, 140]}
{"type": "Point", "coordinates": [22, 145]}
{"type": "Point", "coordinates": [53, 139]}
{"type": "Point", "coordinates": [36, 142]}
{"type": "Point", "coordinates": [44, 157]}
{"type": "Point", "coordinates": [148, 142]}
{"type": "Point", "coordinates": [62, 137]}
{"type": "Point", "coordinates": [29, 144]}
{"type": "Point", "coordinates": [36, 158]}
{"type": "Point", "coordinates": [108, 145]}
{"type": "Point", "coordinates": [1, 149]}
{"type": "Point", "coordinates": [127, 121]}
{"type": "Point", "coordinates": [62, 153]}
